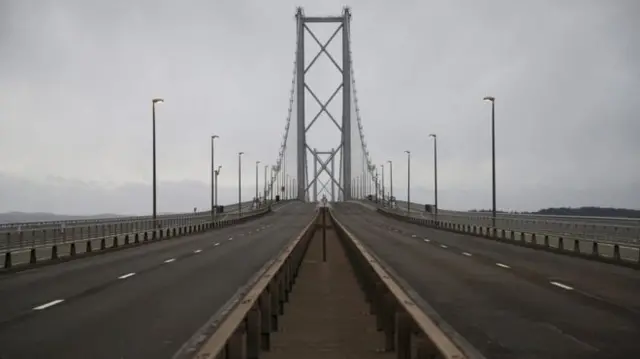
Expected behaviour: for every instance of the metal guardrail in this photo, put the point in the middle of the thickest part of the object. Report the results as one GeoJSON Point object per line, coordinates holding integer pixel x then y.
{"type": "Point", "coordinates": [626, 231]}
{"type": "Point", "coordinates": [407, 329]}
{"type": "Point", "coordinates": [92, 221]}
{"type": "Point", "coordinates": [602, 250]}
{"type": "Point", "coordinates": [246, 330]}
{"type": "Point", "coordinates": [108, 236]}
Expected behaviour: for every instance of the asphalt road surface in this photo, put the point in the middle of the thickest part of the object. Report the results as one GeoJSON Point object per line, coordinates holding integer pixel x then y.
{"type": "Point", "coordinates": [143, 302]}
{"type": "Point", "coordinates": [509, 301]}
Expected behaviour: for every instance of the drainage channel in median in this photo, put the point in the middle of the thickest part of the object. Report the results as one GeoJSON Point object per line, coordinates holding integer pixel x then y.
{"type": "Point", "coordinates": [343, 304]}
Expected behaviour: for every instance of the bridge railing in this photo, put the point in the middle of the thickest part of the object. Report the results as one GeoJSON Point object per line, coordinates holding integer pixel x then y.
{"type": "Point", "coordinates": [51, 243]}
{"type": "Point", "coordinates": [20, 226]}
{"type": "Point", "coordinates": [626, 253]}
{"type": "Point", "coordinates": [619, 230]}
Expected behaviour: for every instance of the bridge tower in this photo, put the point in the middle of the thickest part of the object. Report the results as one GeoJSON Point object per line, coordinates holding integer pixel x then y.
{"type": "Point", "coordinates": [305, 182]}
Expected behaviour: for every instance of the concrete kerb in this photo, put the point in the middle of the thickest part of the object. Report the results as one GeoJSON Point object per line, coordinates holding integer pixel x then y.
{"type": "Point", "coordinates": [531, 240]}
{"type": "Point", "coordinates": [149, 236]}
{"type": "Point", "coordinates": [246, 328]}
{"type": "Point", "coordinates": [408, 330]}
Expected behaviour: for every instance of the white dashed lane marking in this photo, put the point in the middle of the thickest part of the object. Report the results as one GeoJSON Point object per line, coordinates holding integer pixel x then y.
{"type": "Point", "coordinates": [230, 238]}
{"type": "Point", "coordinates": [502, 265]}
{"type": "Point", "coordinates": [217, 244]}
{"type": "Point", "coordinates": [50, 304]}
{"type": "Point", "coordinates": [427, 240]}
{"type": "Point", "coordinates": [466, 254]}
{"type": "Point", "coordinates": [125, 276]}
{"type": "Point", "coordinates": [197, 251]}
{"type": "Point", "coordinates": [443, 246]}
{"type": "Point", "coordinates": [413, 236]}
{"type": "Point", "coordinates": [170, 260]}
{"type": "Point", "coordinates": [563, 286]}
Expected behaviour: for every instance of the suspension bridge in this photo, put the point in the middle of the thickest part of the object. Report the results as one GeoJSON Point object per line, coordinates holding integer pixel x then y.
{"type": "Point", "coordinates": [329, 265]}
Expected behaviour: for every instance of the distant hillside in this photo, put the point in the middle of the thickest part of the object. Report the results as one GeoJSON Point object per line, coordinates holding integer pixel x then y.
{"type": "Point", "coordinates": [592, 212]}
{"type": "Point", "coordinates": [580, 211]}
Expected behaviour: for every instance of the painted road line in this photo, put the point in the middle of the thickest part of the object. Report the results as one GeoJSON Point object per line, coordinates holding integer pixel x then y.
{"type": "Point", "coordinates": [413, 236]}
{"type": "Point", "coordinates": [427, 240]}
{"type": "Point", "coordinates": [197, 251]}
{"type": "Point", "coordinates": [125, 276]}
{"type": "Point", "coordinates": [466, 254]}
{"type": "Point", "coordinates": [230, 238]}
{"type": "Point", "coordinates": [170, 260]}
{"type": "Point", "coordinates": [217, 244]}
{"type": "Point", "coordinates": [50, 304]}
{"type": "Point", "coordinates": [502, 265]}
{"type": "Point", "coordinates": [563, 286]}
{"type": "Point", "coordinates": [443, 246]}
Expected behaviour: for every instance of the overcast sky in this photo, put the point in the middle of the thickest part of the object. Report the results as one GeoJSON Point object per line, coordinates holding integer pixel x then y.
{"type": "Point", "coordinates": [77, 78]}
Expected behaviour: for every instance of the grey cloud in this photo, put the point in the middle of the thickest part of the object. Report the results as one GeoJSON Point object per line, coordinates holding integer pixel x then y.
{"type": "Point", "coordinates": [77, 78]}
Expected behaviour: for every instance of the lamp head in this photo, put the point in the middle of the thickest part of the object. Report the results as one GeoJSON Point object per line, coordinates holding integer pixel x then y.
{"type": "Point", "coordinates": [157, 100]}
{"type": "Point", "coordinates": [489, 98]}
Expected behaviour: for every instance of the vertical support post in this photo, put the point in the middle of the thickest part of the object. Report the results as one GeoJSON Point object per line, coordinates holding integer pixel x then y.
{"type": "Point", "coordinates": [324, 234]}
{"type": "Point", "coordinates": [300, 92]}
{"type": "Point", "coordinates": [333, 167]}
{"type": "Point", "coordinates": [315, 172]}
{"type": "Point", "coordinates": [346, 106]}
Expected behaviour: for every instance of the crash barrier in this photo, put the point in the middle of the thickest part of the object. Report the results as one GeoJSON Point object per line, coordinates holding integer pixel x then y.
{"type": "Point", "coordinates": [246, 330]}
{"type": "Point", "coordinates": [601, 250]}
{"type": "Point", "coordinates": [100, 238]}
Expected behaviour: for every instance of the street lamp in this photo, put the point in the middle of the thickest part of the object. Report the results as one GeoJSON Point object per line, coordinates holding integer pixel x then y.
{"type": "Point", "coordinates": [493, 154]}
{"type": "Point", "coordinates": [382, 185]}
{"type": "Point", "coordinates": [408, 182]}
{"type": "Point", "coordinates": [257, 163]}
{"type": "Point", "coordinates": [390, 179]}
{"type": "Point", "coordinates": [265, 183]}
{"type": "Point", "coordinates": [240, 183]}
{"type": "Point", "coordinates": [213, 179]}
{"type": "Point", "coordinates": [217, 173]}
{"type": "Point", "coordinates": [435, 172]}
{"type": "Point", "coordinates": [153, 112]}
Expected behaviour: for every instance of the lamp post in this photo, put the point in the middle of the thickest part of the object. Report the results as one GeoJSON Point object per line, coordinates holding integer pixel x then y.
{"type": "Point", "coordinates": [155, 202]}
{"type": "Point", "coordinates": [382, 184]}
{"type": "Point", "coordinates": [390, 179]}
{"type": "Point", "coordinates": [435, 172]}
{"type": "Point", "coordinates": [264, 197]}
{"type": "Point", "coordinates": [408, 182]}
{"type": "Point", "coordinates": [217, 173]}
{"type": "Point", "coordinates": [257, 164]}
{"type": "Point", "coordinates": [240, 183]}
{"type": "Point", "coordinates": [493, 155]}
{"type": "Point", "coordinates": [213, 179]}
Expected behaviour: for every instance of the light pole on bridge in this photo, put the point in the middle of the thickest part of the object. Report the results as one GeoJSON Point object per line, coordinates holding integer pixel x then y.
{"type": "Point", "coordinates": [382, 183]}
{"type": "Point", "coordinates": [217, 173]}
{"type": "Point", "coordinates": [435, 172]}
{"type": "Point", "coordinates": [264, 197]}
{"type": "Point", "coordinates": [408, 182]}
{"type": "Point", "coordinates": [155, 202]}
{"type": "Point", "coordinates": [257, 193]}
{"type": "Point", "coordinates": [390, 179]}
{"type": "Point", "coordinates": [213, 179]}
{"type": "Point", "coordinates": [240, 183]}
{"type": "Point", "coordinates": [493, 155]}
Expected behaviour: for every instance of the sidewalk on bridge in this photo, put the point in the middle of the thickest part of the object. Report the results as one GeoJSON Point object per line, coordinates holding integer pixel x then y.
{"type": "Point", "coordinates": [327, 315]}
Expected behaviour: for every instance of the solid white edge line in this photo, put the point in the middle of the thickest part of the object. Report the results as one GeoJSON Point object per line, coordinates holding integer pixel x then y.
{"type": "Point", "coordinates": [50, 304]}
{"type": "Point", "coordinates": [466, 254]}
{"type": "Point", "coordinates": [170, 260]}
{"type": "Point", "coordinates": [197, 251]}
{"type": "Point", "coordinates": [502, 265]}
{"type": "Point", "coordinates": [443, 246]}
{"type": "Point", "coordinates": [124, 276]}
{"type": "Point", "coordinates": [563, 286]}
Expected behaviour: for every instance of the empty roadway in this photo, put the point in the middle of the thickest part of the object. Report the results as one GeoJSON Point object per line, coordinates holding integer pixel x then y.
{"type": "Point", "coordinates": [509, 301]}
{"type": "Point", "coordinates": [143, 302]}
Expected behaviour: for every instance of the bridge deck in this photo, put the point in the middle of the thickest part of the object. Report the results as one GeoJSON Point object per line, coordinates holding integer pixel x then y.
{"type": "Point", "coordinates": [327, 316]}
